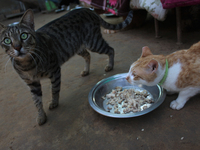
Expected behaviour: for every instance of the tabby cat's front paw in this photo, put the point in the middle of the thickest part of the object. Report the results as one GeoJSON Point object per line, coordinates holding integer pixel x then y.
{"type": "Point", "coordinates": [175, 105]}
{"type": "Point", "coordinates": [41, 119]}
{"type": "Point", "coordinates": [108, 68]}
{"type": "Point", "coordinates": [53, 105]}
{"type": "Point", "coordinates": [84, 73]}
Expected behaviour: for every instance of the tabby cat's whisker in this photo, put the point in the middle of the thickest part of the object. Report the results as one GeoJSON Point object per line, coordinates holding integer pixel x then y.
{"type": "Point", "coordinates": [34, 61]}
{"type": "Point", "coordinates": [5, 55]}
{"type": "Point", "coordinates": [37, 49]}
{"type": "Point", "coordinates": [13, 61]}
{"type": "Point", "coordinates": [39, 58]}
{"type": "Point", "coordinates": [42, 54]}
{"type": "Point", "coordinates": [7, 63]}
{"type": "Point", "coordinates": [37, 55]}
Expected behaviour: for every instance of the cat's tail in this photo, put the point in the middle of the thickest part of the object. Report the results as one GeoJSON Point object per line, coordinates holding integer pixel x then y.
{"type": "Point", "coordinates": [119, 26]}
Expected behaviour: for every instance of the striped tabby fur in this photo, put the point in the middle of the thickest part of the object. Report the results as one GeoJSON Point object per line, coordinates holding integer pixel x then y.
{"type": "Point", "coordinates": [38, 54]}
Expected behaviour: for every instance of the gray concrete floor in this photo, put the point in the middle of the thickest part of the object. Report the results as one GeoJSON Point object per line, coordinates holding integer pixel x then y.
{"type": "Point", "coordinates": [74, 124]}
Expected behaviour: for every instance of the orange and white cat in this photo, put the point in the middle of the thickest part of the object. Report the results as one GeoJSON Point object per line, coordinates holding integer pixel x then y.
{"type": "Point", "coordinates": [178, 72]}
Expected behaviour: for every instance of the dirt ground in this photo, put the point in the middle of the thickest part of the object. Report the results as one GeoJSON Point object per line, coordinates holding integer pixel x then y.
{"type": "Point", "coordinates": [74, 124]}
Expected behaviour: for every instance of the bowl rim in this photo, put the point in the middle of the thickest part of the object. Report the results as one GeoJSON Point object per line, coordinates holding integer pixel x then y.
{"type": "Point", "coordinates": [162, 95]}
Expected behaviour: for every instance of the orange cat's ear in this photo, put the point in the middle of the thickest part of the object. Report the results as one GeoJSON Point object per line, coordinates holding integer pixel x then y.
{"type": "Point", "coordinates": [152, 66]}
{"type": "Point", "coordinates": [146, 51]}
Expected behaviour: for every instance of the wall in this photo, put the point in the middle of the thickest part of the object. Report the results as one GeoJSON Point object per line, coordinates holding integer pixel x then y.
{"type": "Point", "coordinates": [9, 6]}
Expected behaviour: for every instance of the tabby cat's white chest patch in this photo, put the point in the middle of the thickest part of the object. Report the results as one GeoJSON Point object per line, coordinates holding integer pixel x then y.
{"type": "Point", "coordinates": [172, 77]}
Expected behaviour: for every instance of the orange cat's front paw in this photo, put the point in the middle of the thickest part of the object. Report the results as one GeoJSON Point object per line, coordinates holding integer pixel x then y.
{"type": "Point", "coordinates": [176, 105]}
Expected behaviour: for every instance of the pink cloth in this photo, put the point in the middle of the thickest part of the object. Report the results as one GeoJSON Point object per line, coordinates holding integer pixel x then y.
{"type": "Point", "coordinates": [116, 7]}
{"type": "Point", "coordinates": [167, 4]}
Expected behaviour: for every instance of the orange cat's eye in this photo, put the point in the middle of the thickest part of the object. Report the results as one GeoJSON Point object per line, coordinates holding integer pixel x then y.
{"type": "Point", "coordinates": [134, 74]}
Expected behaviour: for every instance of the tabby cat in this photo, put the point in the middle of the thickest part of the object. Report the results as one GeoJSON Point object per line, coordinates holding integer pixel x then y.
{"type": "Point", "coordinates": [38, 54]}
{"type": "Point", "coordinates": [178, 72]}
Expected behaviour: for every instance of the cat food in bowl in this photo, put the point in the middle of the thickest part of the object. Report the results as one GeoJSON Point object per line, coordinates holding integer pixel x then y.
{"type": "Point", "coordinates": [115, 97]}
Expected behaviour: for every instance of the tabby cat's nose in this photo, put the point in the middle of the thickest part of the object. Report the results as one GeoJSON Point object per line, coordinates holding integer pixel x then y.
{"type": "Point", "coordinates": [17, 47]}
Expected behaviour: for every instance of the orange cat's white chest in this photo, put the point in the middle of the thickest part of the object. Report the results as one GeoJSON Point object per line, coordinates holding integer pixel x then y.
{"type": "Point", "coordinates": [172, 78]}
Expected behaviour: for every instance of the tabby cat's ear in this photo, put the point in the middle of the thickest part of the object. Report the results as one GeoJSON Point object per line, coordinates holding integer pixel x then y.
{"type": "Point", "coordinates": [152, 66]}
{"type": "Point", "coordinates": [28, 19]}
{"type": "Point", "coordinates": [2, 27]}
{"type": "Point", "coordinates": [146, 51]}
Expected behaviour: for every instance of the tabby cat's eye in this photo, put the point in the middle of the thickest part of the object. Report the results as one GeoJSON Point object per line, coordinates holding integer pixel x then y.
{"type": "Point", "coordinates": [24, 36]}
{"type": "Point", "coordinates": [7, 40]}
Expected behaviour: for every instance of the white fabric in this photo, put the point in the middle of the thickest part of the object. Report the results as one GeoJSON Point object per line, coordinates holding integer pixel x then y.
{"type": "Point", "coordinates": [154, 7]}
